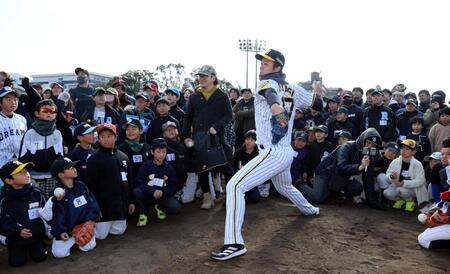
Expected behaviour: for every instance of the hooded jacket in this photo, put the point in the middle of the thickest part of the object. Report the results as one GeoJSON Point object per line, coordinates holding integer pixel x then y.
{"type": "Point", "coordinates": [349, 155]}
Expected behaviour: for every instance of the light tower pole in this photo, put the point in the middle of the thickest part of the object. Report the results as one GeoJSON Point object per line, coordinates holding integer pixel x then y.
{"type": "Point", "coordinates": [249, 45]}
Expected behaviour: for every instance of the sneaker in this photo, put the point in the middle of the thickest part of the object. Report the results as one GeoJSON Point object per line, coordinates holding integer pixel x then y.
{"type": "Point", "coordinates": [142, 221]}
{"type": "Point", "coordinates": [2, 240]}
{"type": "Point", "coordinates": [228, 252]}
{"type": "Point", "coordinates": [399, 204]}
{"type": "Point", "coordinates": [199, 193]}
{"type": "Point", "coordinates": [410, 206]}
{"type": "Point", "coordinates": [357, 200]}
{"type": "Point", "coordinates": [264, 190]}
{"type": "Point", "coordinates": [207, 201]}
{"type": "Point", "coordinates": [160, 214]}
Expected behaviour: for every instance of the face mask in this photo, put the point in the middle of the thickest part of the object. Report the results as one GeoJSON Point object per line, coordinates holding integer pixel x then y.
{"type": "Point", "coordinates": [109, 98]}
{"type": "Point", "coordinates": [81, 80]}
{"type": "Point", "coordinates": [348, 101]}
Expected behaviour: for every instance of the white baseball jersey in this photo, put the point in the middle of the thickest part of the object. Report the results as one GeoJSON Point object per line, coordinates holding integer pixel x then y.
{"type": "Point", "coordinates": [273, 161]}
{"type": "Point", "coordinates": [11, 133]}
{"type": "Point", "coordinates": [291, 97]}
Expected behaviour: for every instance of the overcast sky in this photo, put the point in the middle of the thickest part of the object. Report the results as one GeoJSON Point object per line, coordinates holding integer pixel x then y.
{"type": "Point", "coordinates": [352, 43]}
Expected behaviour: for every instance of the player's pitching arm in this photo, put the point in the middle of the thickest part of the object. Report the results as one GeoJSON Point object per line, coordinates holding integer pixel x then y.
{"type": "Point", "coordinates": [304, 99]}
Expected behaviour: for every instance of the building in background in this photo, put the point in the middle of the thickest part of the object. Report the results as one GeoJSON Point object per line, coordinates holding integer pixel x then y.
{"type": "Point", "coordinates": [69, 79]}
{"type": "Point", "coordinates": [315, 76]}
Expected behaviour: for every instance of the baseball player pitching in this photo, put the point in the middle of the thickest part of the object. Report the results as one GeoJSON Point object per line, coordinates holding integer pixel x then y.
{"type": "Point", "coordinates": [275, 102]}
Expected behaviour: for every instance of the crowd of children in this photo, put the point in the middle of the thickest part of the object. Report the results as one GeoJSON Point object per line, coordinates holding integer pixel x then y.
{"type": "Point", "coordinates": [89, 158]}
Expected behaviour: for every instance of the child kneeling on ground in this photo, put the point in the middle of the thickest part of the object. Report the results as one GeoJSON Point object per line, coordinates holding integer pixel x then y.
{"type": "Point", "coordinates": [75, 214]}
{"type": "Point", "coordinates": [156, 184]}
{"type": "Point", "coordinates": [407, 178]}
{"type": "Point", "coordinates": [19, 215]}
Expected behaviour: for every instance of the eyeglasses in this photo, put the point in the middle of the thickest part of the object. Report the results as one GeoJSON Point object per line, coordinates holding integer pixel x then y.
{"type": "Point", "coordinates": [48, 109]}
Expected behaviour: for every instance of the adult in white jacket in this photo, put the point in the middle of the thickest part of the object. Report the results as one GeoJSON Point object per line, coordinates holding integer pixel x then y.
{"type": "Point", "coordinates": [407, 178]}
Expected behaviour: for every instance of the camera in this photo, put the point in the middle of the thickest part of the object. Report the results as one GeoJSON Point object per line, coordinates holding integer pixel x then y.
{"type": "Point", "coordinates": [370, 151]}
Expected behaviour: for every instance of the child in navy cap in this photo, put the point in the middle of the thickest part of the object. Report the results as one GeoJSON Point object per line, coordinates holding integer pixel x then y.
{"type": "Point", "coordinates": [86, 134]}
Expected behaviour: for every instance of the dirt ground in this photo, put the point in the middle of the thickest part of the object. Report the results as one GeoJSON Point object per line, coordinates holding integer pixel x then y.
{"type": "Point", "coordinates": [343, 239]}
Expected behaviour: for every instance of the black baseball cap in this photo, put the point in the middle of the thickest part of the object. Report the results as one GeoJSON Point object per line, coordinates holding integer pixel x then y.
{"type": "Point", "coordinates": [12, 168]}
{"type": "Point", "coordinates": [301, 135]}
{"type": "Point", "coordinates": [132, 122]}
{"type": "Point", "coordinates": [83, 129]}
{"type": "Point", "coordinates": [141, 95]}
{"type": "Point", "coordinates": [374, 139]}
{"type": "Point", "coordinates": [162, 101]}
{"type": "Point", "coordinates": [343, 133]}
{"type": "Point", "coordinates": [377, 91]}
{"type": "Point", "coordinates": [272, 55]}
{"type": "Point", "coordinates": [392, 146]}
{"type": "Point", "coordinates": [322, 128]}
{"type": "Point", "coordinates": [335, 99]}
{"type": "Point", "coordinates": [62, 164]}
{"type": "Point", "coordinates": [411, 102]}
{"type": "Point", "coordinates": [158, 143]}
{"type": "Point", "coordinates": [99, 90]}
{"type": "Point", "coordinates": [343, 110]}
{"type": "Point", "coordinates": [78, 70]}
{"type": "Point", "coordinates": [168, 124]}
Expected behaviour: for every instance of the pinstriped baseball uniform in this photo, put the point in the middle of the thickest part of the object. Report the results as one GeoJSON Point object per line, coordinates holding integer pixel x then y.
{"type": "Point", "coordinates": [273, 161]}
{"type": "Point", "coordinates": [11, 133]}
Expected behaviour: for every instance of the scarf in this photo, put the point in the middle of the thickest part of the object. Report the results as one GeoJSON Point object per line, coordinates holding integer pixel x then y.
{"type": "Point", "coordinates": [134, 145]}
{"type": "Point", "coordinates": [208, 93]}
{"type": "Point", "coordinates": [44, 128]}
{"type": "Point", "coordinates": [278, 77]}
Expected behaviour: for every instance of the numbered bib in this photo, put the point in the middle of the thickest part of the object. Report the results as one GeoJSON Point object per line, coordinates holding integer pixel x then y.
{"type": "Point", "coordinates": [170, 157]}
{"type": "Point", "coordinates": [124, 176]}
{"type": "Point", "coordinates": [137, 158]}
{"type": "Point", "coordinates": [158, 182]}
{"type": "Point", "coordinates": [33, 213]}
{"type": "Point", "coordinates": [405, 174]}
{"type": "Point", "coordinates": [79, 201]}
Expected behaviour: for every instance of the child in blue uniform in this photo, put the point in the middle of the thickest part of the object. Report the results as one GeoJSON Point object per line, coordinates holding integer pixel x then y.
{"type": "Point", "coordinates": [156, 184]}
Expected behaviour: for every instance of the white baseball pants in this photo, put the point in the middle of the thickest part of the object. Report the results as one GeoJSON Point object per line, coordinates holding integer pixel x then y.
{"type": "Point", "coordinates": [271, 163]}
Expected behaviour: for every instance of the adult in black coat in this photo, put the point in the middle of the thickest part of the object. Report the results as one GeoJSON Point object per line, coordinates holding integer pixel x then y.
{"type": "Point", "coordinates": [209, 111]}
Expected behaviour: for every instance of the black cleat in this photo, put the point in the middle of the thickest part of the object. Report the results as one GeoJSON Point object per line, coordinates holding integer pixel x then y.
{"type": "Point", "coordinates": [228, 252]}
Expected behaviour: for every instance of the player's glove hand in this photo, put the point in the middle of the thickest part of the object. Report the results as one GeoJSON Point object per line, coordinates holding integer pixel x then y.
{"type": "Point", "coordinates": [83, 233]}
{"type": "Point", "coordinates": [279, 126]}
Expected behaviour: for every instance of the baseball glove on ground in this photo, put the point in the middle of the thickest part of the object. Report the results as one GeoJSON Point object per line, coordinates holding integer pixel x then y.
{"type": "Point", "coordinates": [83, 233]}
